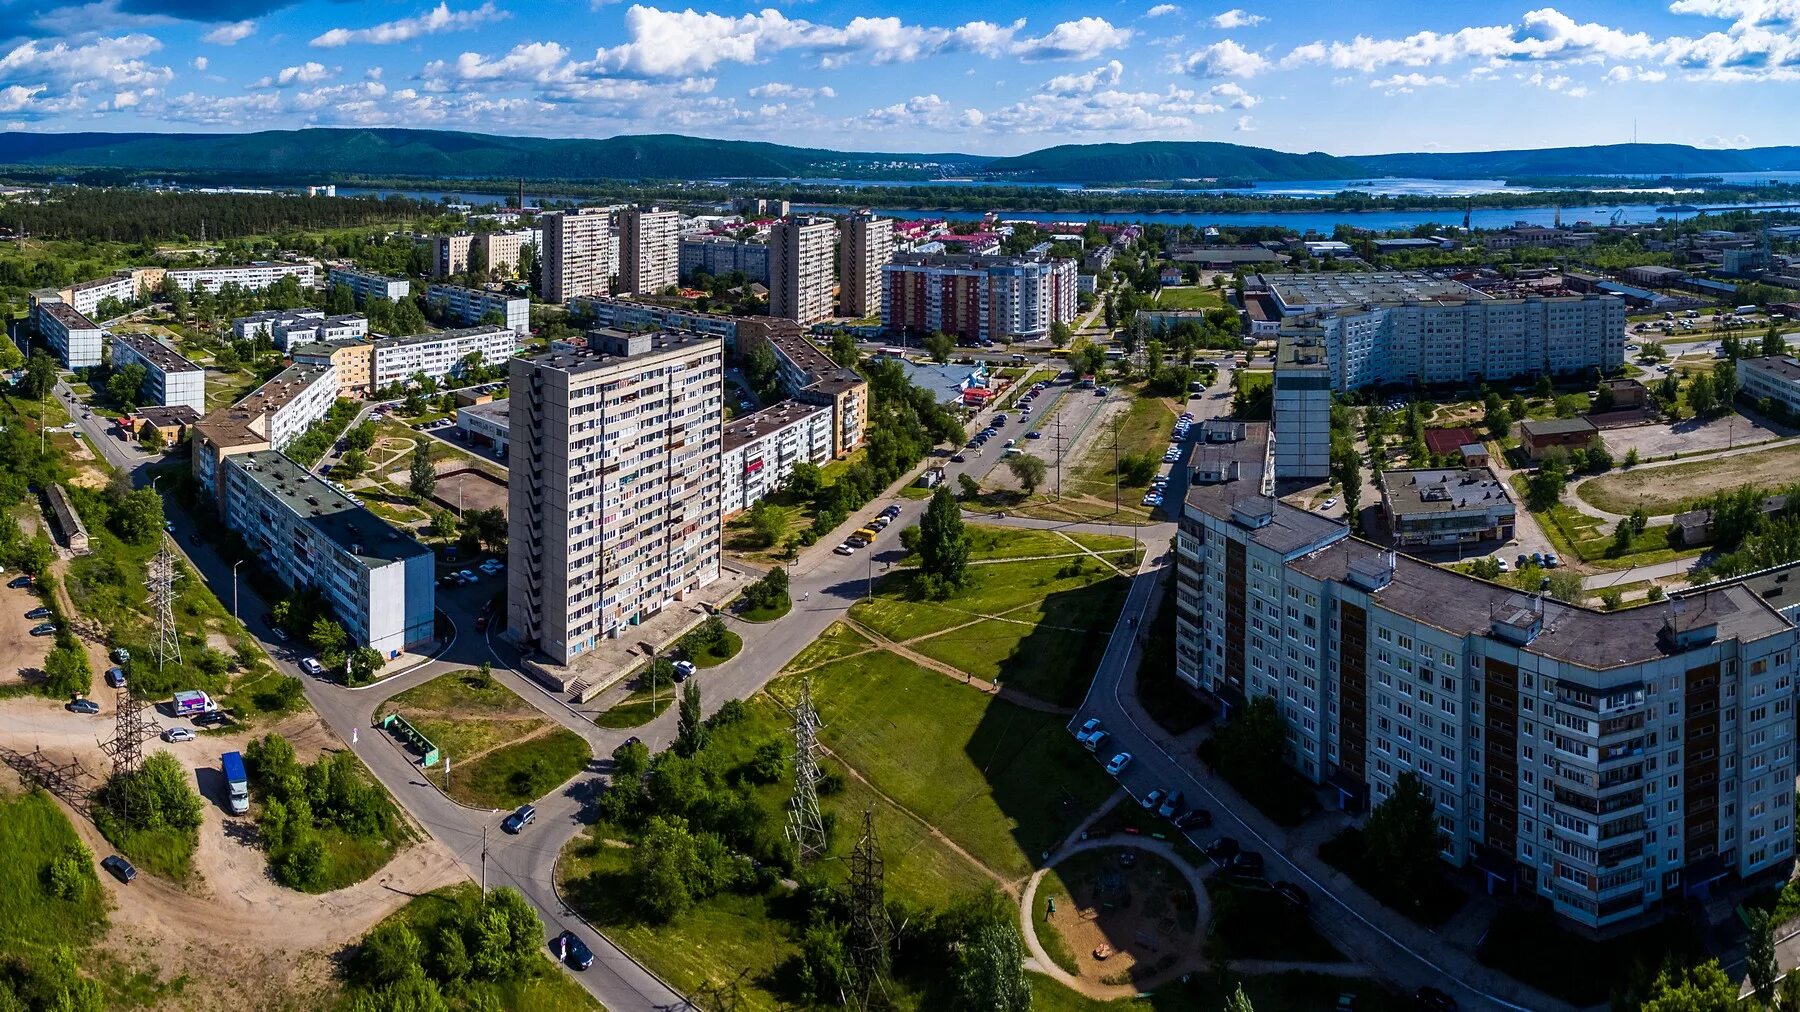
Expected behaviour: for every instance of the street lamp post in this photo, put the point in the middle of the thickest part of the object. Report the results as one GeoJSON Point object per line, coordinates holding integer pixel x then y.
{"type": "Point", "coordinates": [234, 596]}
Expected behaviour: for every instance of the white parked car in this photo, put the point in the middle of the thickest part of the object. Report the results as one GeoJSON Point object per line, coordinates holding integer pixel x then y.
{"type": "Point", "coordinates": [1330, 503]}
{"type": "Point", "coordinates": [311, 666]}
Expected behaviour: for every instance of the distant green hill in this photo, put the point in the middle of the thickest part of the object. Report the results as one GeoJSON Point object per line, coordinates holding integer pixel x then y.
{"type": "Point", "coordinates": [1601, 159]}
{"type": "Point", "coordinates": [1168, 160]}
{"type": "Point", "coordinates": [442, 154]}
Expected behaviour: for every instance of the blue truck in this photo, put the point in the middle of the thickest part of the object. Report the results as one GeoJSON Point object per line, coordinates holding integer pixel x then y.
{"type": "Point", "coordinates": [236, 782]}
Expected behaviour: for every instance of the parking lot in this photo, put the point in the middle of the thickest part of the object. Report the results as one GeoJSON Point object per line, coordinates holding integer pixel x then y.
{"type": "Point", "coordinates": [1690, 436]}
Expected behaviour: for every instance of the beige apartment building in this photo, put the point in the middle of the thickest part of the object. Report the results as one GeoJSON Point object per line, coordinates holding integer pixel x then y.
{"type": "Point", "coordinates": [649, 250]}
{"type": "Point", "coordinates": [575, 253]}
{"type": "Point", "coordinates": [800, 268]}
{"type": "Point", "coordinates": [866, 245]}
{"type": "Point", "coordinates": [614, 502]}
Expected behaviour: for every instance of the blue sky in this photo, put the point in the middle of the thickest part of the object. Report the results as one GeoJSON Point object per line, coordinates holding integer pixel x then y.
{"type": "Point", "coordinates": [1347, 76]}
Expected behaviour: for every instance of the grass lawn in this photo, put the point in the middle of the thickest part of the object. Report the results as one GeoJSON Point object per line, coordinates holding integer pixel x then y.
{"type": "Point", "coordinates": [637, 709]}
{"type": "Point", "coordinates": [542, 987]}
{"type": "Point", "coordinates": [502, 751]}
{"type": "Point", "coordinates": [1063, 588]}
{"type": "Point", "coordinates": [1051, 664]}
{"type": "Point", "coordinates": [767, 614]}
{"type": "Point", "coordinates": [838, 640]}
{"type": "Point", "coordinates": [720, 652]}
{"type": "Point", "coordinates": [1204, 991]}
{"type": "Point", "coordinates": [165, 853]}
{"type": "Point", "coordinates": [990, 542]}
{"type": "Point", "coordinates": [1004, 782]}
{"type": "Point", "coordinates": [1188, 297]}
{"type": "Point", "coordinates": [1576, 535]}
{"type": "Point", "coordinates": [33, 832]}
{"type": "Point", "coordinates": [1672, 488]}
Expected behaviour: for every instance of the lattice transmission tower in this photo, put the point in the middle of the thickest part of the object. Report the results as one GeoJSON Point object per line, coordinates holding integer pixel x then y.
{"type": "Point", "coordinates": [163, 574]}
{"type": "Point", "coordinates": [806, 827]}
{"type": "Point", "coordinates": [132, 727]}
{"type": "Point", "coordinates": [870, 932]}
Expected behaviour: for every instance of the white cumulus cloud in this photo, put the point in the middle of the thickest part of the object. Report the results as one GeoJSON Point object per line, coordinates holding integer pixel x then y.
{"type": "Point", "coordinates": [230, 34]}
{"type": "Point", "coordinates": [1237, 18]}
{"type": "Point", "coordinates": [1225, 58]}
{"type": "Point", "coordinates": [1161, 9]}
{"type": "Point", "coordinates": [439, 19]}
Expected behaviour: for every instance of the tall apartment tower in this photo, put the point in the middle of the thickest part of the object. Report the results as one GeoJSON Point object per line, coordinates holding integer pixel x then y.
{"type": "Point", "coordinates": [575, 261]}
{"type": "Point", "coordinates": [649, 250]}
{"type": "Point", "coordinates": [867, 244]}
{"type": "Point", "coordinates": [800, 279]}
{"type": "Point", "coordinates": [613, 509]}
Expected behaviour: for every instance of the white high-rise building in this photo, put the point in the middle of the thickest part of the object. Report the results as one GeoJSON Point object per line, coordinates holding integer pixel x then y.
{"type": "Point", "coordinates": [864, 248]}
{"type": "Point", "coordinates": [800, 258]}
{"type": "Point", "coordinates": [649, 250]}
{"type": "Point", "coordinates": [613, 506]}
{"type": "Point", "coordinates": [575, 260]}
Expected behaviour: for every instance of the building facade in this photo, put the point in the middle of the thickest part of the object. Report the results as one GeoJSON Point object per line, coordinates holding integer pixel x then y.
{"type": "Point", "coordinates": [1608, 762]}
{"type": "Point", "coordinates": [381, 584]}
{"type": "Point", "coordinates": [720, 255]}
{"type": "Point", "coordinates": [761, 449]}
{"type": "Point", "coordinates": [467, 306]}
{"type": "Point", "coordinates": [350, 360]}
{"type": "Point", "coordinates": [1777, 378]}
{"type": "Point", "coordinates": [1441, 506]}
{"type": "Point", "coordinates": [76, 339]}
{"type": "Point", "coordinates": [1302, 407]}
{"type": "Point", "coordinates": [575, 254]}
{"type": "Point", "coordinates": [806, 373]}
{"type": "Point", "coordinates": [977, 298]}
{"type": "Point", "coordinates": [270, 417]}
{"type": "Point", "coordinates": [170, 380]}
{"type": "Point", "coordinates": [449, 254]}
{"type": "Point", "coordinates": [487, 424]}
{"type": "Point", "coordinates": [437, 355]}
{"type": "Point", "coordinates": [253, 277]}
{"type": "Point", "coordinates": [604, 311]}
{"type": "Point", "coordinates": [800, 260]}
{"type": "Point", "coordinates": [864, 248]}
{"type": "Point", "coordinates": [368, 284]}
{"type": "Point", "coordinates": [286, 334]}
{"type": "Point", "coordinates": [649, 259]}
{"type": "Point", "coordinates": [614, 500]}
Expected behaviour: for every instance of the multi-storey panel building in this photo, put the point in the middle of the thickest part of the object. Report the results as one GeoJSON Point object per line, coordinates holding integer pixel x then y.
{"type": "Point", "coordinates": [603, 311]}
{"type": "Point", "coordinates": [252, 277]}
{"type": "Point", "coordinates": [800, 262]}
{"type": "Point", "coordinates": [720, 255]}
{"type": "Point", "coordinates": [368, 284]}
{"type": "Point", "coordinates": [761, 449]}
{"type": "Point", "coordinates": [438, 354]}
{"type": "Point", "coordinates": [86, 296]}
{"type": "Point", "coordinates": [575, 254]}
{"type": "Point", "coordinates": [449, 254]}
{"type": "Point", "coordinates": [1606, 761]}
{"type": "Point", "coordinates": [270, 417]}
{"type": "Point", "coordinates": [288, 333]}
{"type": "Point", "coordinates": [1777, 378]}
{"type": "Point", "coordinates": [170, 379]}
{"type": "Point", "coordinates": [978, 298]}
{"type": "Point", "coordinates": [648, 258]}
{"type": "Point", "coordinates": [75, 338]}
{"type": "Point", "coordinates": [806, 373]}
{"type": "Point", "coordinates": [350, 360]}
{"type": "Point", "coordinates": [380, 583]}
{"type": "Point", "coordinates": [614, 501]}
{"type": "Point", "coordinates": [468, 306]}
{"type": "Point", "coordinates": [866, 246]}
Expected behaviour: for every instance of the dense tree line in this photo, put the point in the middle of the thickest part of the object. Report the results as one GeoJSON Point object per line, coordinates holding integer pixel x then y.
{"type": "Point", "coordinates": [299, 800]}
{"type": "Point", "coordinates": [128, 215]}
{"type": "Point", "coordinates": [421, 965]}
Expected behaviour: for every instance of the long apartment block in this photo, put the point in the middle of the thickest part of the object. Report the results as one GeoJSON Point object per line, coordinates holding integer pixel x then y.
{"type": "Point", "coordinates": [761, 450]}
{"type": "Point", "coordinates": [270, 417]}
{"type": "Point", "coordinates": [806, 373]}
{"type": "Point", "coordinates": [981, 298]}
{"type": "Point", "coordinates": [1609, 762]}
{"type": "Point", "coordinates": [380, 583]}
{"type": "Point", "coordinates": [76, 339]}
{"type": "Point", "coordinates": [613, 506]}
{"type": "Point", "coordinates": [368, 284]}
{"type": "Point", "coordinates": [467, 306]}
{"type": "Point", "coordinates": [170, 380]}
{"type": "Point", "coordinates": [252, 277]}
{"type": "Point", "coordinates": [437, 354]}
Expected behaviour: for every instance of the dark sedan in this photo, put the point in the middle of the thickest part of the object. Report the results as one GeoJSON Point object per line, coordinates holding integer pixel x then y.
{"type": "Point", "coordinates": [572, 950]}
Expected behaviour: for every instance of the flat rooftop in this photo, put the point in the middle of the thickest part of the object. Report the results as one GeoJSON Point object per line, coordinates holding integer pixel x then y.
{"type": "Point", "coordinates": [1442, 490]}
{"type": "Point", "coordinates": [68, 316]}
{"type": "Point", "coordinates": [1353, 288]}
{"type": "Point", "coordinates": [1784, 367]}
{"type": "Point", "coordinates": [595, 356]}
{"type": "Point", "coordinates": [499, 412]}
{"type": "Point", "coordinates": [1555, 426]}
{"type": "Point", "coordinates": [161, 415]}
{"type": "Point", "coordinates": [230, 426]}
{"type": "Point", "coordinates": [328, 511]}
{"type": "Point", "coordinates": [755, 425]}
{"type": "Point", "coordinates": [432, 337]}
{"type": "Point", "coordinates": [159, 354]}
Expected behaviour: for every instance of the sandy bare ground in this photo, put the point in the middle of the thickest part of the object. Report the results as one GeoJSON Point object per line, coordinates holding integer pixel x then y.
{"type": "Point", "coordinates": [1692, 435]}
{"type": "Point", "coordinates": [19, 650]}
{"type": "Point", "coordinates": [243, 941]}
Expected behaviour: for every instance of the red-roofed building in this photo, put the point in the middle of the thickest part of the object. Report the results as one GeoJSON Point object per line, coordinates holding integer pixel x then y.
{"type": "Point", "coordinates": [1443, 442]}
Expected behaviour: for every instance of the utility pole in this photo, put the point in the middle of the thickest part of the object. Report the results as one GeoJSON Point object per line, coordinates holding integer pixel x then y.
{"type": "Point", "coordinates": [234, 589]}
{"type": "Point", "coordinates": [484, 838]}
{"type": "Point", "coordinates": [870, 931]}
{"type": "Point", "coordinates": [1115, 428]}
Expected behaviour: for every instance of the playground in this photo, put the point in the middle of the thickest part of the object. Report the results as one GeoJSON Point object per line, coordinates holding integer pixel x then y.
{"type": "Point", "coordinates": [1117, 916]}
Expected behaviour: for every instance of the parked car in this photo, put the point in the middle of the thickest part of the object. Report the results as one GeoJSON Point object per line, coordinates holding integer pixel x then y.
{"type": "Point", "coordinates": [1247, 863]}
{"type": "Point", "coordinates": [20, 583]}
{"type": "Point", "coordinates": [844, 549]}
{"type": "Point", "coordinates": [1222, 850]}
{"type": "Point", "coordinates": [281, 634]}
{"type": "Point", "coordinates": [684, 670]}
{"type": "Point", "coordinates": [120, 655]}
{"type": "Point", "coordinates": [311, 666]}
{"type": "Point", "coordinates": [211, 718]}
{"type": "Point", "coordinates": [1329, 504]}
{"type": "Point", "coordinates": [1551, 561]}
{"type": "Point", "coordinates": [1034, 434]}
{"type": "Point", "coordinates": [46, 629]}
{"type": "Point", "coordinates": [1193, 818]}
{"type": "Point", "coordinates": [1154, 798]}
{"type": "Point", "coordinates": [1170, 806]}
{"type": "Point", "coordinates": [175, 734]}
{"type": "Point", "coordinates": [39, 612]}
{"type": "Point", "coordinates": [572, 951]}
{"type": "Point", "coordinates": [1118, 763]}
{"type": "Point", "coordinates": [115, 678]}
{"type": "Point", "coordinates": [524, 816]}
{"type": "Point", "coordinates": [1088, 727]}
{"type": "Point", "coordinates": [481, 623]}
{"type": "Point", "coordinates": [1096, 740]}
{"type": "Point", "coordinates": [958, 458]}
{"type": "Point", "coordinates": [1293, 894]}
{"type": "Point", "coordinates": [82, 706]}
{"type": "Point", "coordinates": [121, 869]}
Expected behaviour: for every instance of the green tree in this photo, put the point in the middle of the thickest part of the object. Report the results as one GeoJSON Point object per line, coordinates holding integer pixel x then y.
{"type": "Point", "coordinates": [421, 476]}
{"type": "Point", "coordinates": [505, 935]}
{"type": "Point", "coordinates": [990, 971]}
{"type": "Point", "coordinates": [40, 376]}
{"type": "Point", "coordinates": [767, 523]}
{"type": "Point", "coordinates": [804, 480]}
{"type": "Point", "coordinates": [1346, 468]}
{"type": "Point", "coordinates": [1702, 395]}
{"type": "Point", "coordinates": [665, 865]}
{"type": "Point", "coordinates": [1759, 947]}
{"type": "Point", "coordinates": [124, 384]}
{"type": "Point", "coordinates": [1402, 839]}
{"type": "Point", "coordinates": [1060, 334]}
{"type": "Point", "coordinates": [1249, 747]}
{"type": "Point", "coordinates": [690, 731]}
{"type": "Point", "coordinates": [364, 662]}
{"type": "Point", "coordinates": [943, 546]}
{"type": "Point", "coordinates": [1703, 988]}
{"type": "Point", "coordinates": [138, 519]}
{"type": "Point", "coordinates": [351, 465]}
{"type": "Point", "coordinates": [152, 438]}
{"type": "Point", "coordinates": [1027, 470]}
{"type": "Point", "coordinates": [1725, 382]}
{"type": "Point", "coordinates": [968, 487]}
{"type": "Point", "coordinates": [940, 345]}
{"type": "Point", "coordinates": [1239, 1001]}
{"type": "Point", "coordinates": [1498, 422]}
{"type": "Point", "coordinates": [10, 356]}
{"type": "Point", "coordinates": [1545, 488]}
{"type": "Point", "coordinates": [826, 972]}
{"type": "Point", "coordinates": [843, 348]}
{"type": "Point", "coordinates": [362, 437]}
{"type": "Point", "coordinates": [1565, 585]}
{"type": "Point", "coordinates": [389, 953]}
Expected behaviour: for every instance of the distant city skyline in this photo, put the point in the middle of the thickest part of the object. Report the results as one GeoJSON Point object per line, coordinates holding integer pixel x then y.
{"type": "Point", "coordinates": [1004, 78]}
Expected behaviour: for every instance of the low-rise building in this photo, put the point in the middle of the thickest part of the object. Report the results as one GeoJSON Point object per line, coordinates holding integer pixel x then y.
{"type": "Point", "coordinates": [170, 380]}
{"type": "Point", "coordinates": [1537, 435]}
{"type": "Point", "coordinates": [368, 284]}
{"type": "Point", "coordinates": [380, 583]}
{"type": "Point", "coordinates": [1652, 276]}
{"type": "Point", "coordinates": [68, 521]}
{"type": "Point", "coordinates": [806, 373]}
{"type": "Point", "coordinates": [487, 424]}
{"type": "Point", "coordinates": [270, 417]}
{"type": "Point", "coordinates": [286, 334]}
{"type": "Point", "coordinates": [471, 306]}
{"type": "Point", "coordinates": [75, 338]}
{"type": "Point", "coordinates": [761, 449]}
{"type": "Point", "coordinates": [438, 354]}
{"type": "Point", "coordinates": [605, 311]}
{"type": "Point", "coordinates": [171, 423]}
{"type": "Point", "coordinates": [1446, 506]}
{"type": "Point", "coordinates": [1776, 377]}
{"type": "Point", "coordinates": [351, 360]}
{"type": "Point", "coordinates": [252, 277]}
